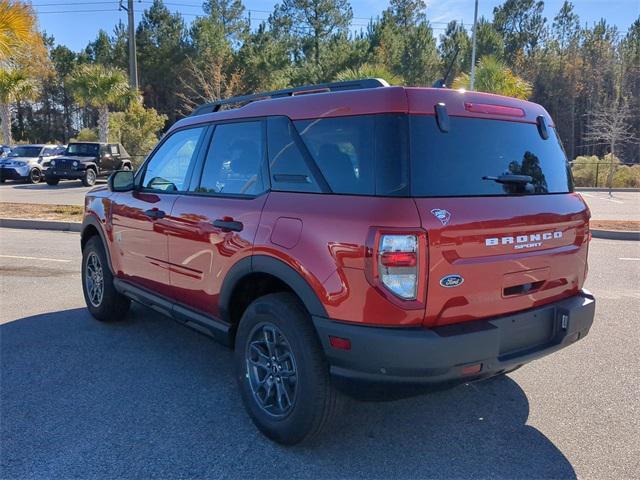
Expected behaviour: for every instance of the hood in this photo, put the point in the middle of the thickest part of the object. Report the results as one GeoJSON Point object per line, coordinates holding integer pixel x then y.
{"type": "Point", "coordinates": [73, 158]}
{"type": "Point", "coordinates": [19, 159]}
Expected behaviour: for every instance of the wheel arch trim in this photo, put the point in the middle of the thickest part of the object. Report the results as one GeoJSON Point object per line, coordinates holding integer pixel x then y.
{"type": "Point", "coordinates": [91, 222]}
{"type": "Point", "coordinates": [277, 268]}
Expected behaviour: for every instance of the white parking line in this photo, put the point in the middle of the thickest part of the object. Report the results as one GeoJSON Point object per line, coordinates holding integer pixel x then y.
{"type": "Point", "coordinates": [35, 258]}
{"type": "Point", "coordinates": [629, 258]}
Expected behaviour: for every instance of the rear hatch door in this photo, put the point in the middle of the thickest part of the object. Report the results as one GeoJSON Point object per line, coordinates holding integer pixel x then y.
{"type": "Point", "coordinates": [495, 248]}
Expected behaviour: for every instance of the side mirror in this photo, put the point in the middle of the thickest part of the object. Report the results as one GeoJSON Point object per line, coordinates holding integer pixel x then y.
{"type": "Point", "coordinates": [121, 181]}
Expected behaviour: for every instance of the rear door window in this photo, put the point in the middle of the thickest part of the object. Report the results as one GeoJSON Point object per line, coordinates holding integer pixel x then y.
{"type": "Point", "coordinates": [454, 163]}
{"type": "Point", "coordinates": [235, 160]}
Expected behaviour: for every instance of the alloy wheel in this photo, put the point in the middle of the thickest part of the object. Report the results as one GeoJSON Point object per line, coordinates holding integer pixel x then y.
{"type": "Point", "coordinates": [94, 279]}
{"type": "Point", "coordinates": [271, 370]}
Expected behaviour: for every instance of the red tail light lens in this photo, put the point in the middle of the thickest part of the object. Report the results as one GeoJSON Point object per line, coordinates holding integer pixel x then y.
{"type": "Point", "coordinates": [399, 259]}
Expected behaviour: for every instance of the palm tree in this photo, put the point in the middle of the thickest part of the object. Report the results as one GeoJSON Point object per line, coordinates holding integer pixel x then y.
{"type": "Point", "coordinates": [493, 76]}
{"type": "Point", "coordinates": [14, 85]}
{"type": "Point", "coordinates": [17, 28]}
{"type": "Point", "coordinates": [98, 86]}
{"type": "Point", "coordinates": [369, 71]}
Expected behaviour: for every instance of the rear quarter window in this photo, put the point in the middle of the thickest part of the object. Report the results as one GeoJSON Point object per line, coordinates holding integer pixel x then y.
{"type": "Point", "coordinates": [454, 163]}
{"type": "Point", "coordinates": [359, 155]}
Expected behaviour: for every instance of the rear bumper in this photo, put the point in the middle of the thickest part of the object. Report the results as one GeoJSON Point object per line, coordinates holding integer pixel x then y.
{"type": "Point", "coordinates": [412, 356]}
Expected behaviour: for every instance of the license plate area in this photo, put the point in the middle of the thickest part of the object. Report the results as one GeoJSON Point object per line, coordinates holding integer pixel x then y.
{"type": "Point", "coordinates": [522, 334]}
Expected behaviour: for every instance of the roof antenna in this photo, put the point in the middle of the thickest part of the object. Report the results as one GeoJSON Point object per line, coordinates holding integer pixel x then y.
{"type": "Point", "coordinates": [442, 83]}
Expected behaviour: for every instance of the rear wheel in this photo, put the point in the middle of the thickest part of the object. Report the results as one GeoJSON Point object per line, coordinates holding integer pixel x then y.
{"type": "Point", "coordinates": [35, 176]}
{"type": "Point", "coordinates": [102, 299]}
{"type": "Point", "coordinates": [53, 181]}
{"type": "Point", "coordinates": [281, 370]}
{"type": "Point", "coordinates": [89, 178]}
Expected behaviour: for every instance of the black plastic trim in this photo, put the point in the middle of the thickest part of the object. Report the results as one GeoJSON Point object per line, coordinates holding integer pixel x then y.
{"type": "Point", "coordinates": [214, 327]}
{"type": "Point", "coordinates": [271, 266]}
{"type": "Point", "coordinates": [91, 220]}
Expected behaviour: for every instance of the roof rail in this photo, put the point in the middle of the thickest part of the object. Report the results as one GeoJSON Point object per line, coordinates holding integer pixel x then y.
{"type": "Point", "coordinates": [289, 92]}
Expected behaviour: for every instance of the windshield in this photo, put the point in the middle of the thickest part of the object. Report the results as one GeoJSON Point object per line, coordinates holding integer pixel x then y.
{"type": "Point", "coordinates": [25, 152]}
{"type": "Point", "coordinates": [83, 149]}
{"type": "Point", "coordinates": [457, 163]}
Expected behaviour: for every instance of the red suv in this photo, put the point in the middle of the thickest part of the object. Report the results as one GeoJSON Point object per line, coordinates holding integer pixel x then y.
{"type": "Point", "coordinates": [347, 235]}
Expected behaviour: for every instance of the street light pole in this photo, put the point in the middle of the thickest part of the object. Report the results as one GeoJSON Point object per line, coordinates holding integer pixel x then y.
{"type": "Point", "coordinates": [473, 47]}
{"type": "Point", "coordinates": [133, 62]}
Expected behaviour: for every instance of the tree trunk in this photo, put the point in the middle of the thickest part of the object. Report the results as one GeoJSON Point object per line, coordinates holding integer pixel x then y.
{"type": "Point", "coordinates": [5, 117]}
{"type": "Point", "coordinates": [103, 123]}
{"type": "Point", "coordinates": [611, 170]}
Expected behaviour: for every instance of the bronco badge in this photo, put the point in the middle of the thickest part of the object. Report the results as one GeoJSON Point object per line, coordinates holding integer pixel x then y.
{"type": "Point", "coordinates": [443, 215]}
{"type": "Point", "coordinates": [451, 281]}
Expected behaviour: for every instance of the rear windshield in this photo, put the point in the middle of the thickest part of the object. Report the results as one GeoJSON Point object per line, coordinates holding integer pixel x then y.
{"type": "Point", "coordinates": [454, 163]}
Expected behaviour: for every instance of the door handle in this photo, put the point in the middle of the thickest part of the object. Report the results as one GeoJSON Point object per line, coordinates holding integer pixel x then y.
{"type": "Point", "coordinates": [228, 225]}
{"type": "Point", "coordinates": [154, 213]}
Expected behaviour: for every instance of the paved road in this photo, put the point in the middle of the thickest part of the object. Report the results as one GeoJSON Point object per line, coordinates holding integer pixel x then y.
{"type": "Point", "coordinates": [65, 193]}
{"type": "Point", "coordinates": [149, 398]}
{"type": "Point", "coordinates": [620, 206]}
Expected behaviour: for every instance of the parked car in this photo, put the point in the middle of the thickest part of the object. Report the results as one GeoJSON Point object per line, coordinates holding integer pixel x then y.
{"type": "Point", "coordinates": [4, 151]}
{"type": "Point", "coordinates": [349, 235]}
{"type": "Point", "coordinates": [86, 161]}
{"type": "Point", "coordinates": [28, 162]}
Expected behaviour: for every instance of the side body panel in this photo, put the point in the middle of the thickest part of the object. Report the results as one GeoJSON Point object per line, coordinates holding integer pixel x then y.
{"type": "Point", "coordinates": [200, 254]}
{"type": "Point", "coordinates": [139, 242]}
{"type": "Point", "coordinates": [325, 239]}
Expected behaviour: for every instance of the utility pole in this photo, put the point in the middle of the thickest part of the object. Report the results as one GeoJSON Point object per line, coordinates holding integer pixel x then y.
{"type": "Point", "coordinates": [133, 62]}
{"type": "Point", "coordinates": [473, 48]}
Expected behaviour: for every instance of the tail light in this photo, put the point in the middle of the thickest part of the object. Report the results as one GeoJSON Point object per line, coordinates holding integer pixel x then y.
{"type": "Point", "coordinates": [397, 258]}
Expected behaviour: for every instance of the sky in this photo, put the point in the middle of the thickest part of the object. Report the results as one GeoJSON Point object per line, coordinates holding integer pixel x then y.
{"type": "Point", "coordinates": [75, 23]}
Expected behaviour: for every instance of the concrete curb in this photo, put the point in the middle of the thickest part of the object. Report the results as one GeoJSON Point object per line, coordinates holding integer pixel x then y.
{"type": "Point", "coordinates": [615, 235]}
{"type": "Point", "coordinates": [40, 224]}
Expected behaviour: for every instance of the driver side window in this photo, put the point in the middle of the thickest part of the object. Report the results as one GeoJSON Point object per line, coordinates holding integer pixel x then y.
{"type": "Point", "coordinates": [168, 168]}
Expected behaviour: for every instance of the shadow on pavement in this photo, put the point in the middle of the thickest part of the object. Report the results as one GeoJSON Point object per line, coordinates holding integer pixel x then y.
{"type": "Point", "coordinates": [149, 398]}
{"type": "Point", "coordinates": [62, 185]}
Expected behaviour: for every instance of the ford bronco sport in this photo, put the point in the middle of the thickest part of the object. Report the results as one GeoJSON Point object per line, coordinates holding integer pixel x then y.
{"type": "Point", "coordinates": [350, 234]}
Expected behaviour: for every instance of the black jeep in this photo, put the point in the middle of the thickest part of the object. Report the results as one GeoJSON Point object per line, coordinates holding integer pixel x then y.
{"type": "Point", "coordinates": [87, 161]}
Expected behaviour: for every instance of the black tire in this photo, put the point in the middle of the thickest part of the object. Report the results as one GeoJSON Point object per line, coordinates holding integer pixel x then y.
{"type": "Point", "coordinates": [109, 305]}
{"type": "Point", "coordinates": [52, 181]}
{"type": "Point", "coordinates": [126, 167]}
{"type": "Point", "coordinates": [2, 180]}
{"type": "Point", "coordinates": [89, 178]}
{"type": "Point", "coordinates": [314, 398]}
{"type": "Point", "coordinates": [35, 176]}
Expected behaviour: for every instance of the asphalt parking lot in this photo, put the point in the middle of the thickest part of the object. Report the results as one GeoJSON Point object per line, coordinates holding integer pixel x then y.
{"type": "Point", "coordinates": [148, 398]}
{"type": "Point", "coordinates": [65, 193]}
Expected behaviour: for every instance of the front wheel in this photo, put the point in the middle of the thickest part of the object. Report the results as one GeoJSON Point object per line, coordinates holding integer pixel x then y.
{"type": "Point", "coordinates": [103, 300]}
{"type": "Point", "coordinates": [281, 370]}
{"type": "Point", "coordinates": [89, 178]}
{"type": "Point", "coordinates": [35, 176]}
{"type": "Point", "coordinates": [52, 181]}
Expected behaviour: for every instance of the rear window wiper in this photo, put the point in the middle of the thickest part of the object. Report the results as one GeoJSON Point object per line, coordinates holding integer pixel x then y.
{"type": "Point", "coordinates": [517, 179]}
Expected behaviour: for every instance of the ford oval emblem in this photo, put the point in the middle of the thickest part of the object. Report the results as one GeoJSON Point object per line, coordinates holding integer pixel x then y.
{"type": "Point", "coordinates": [451, 281]}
